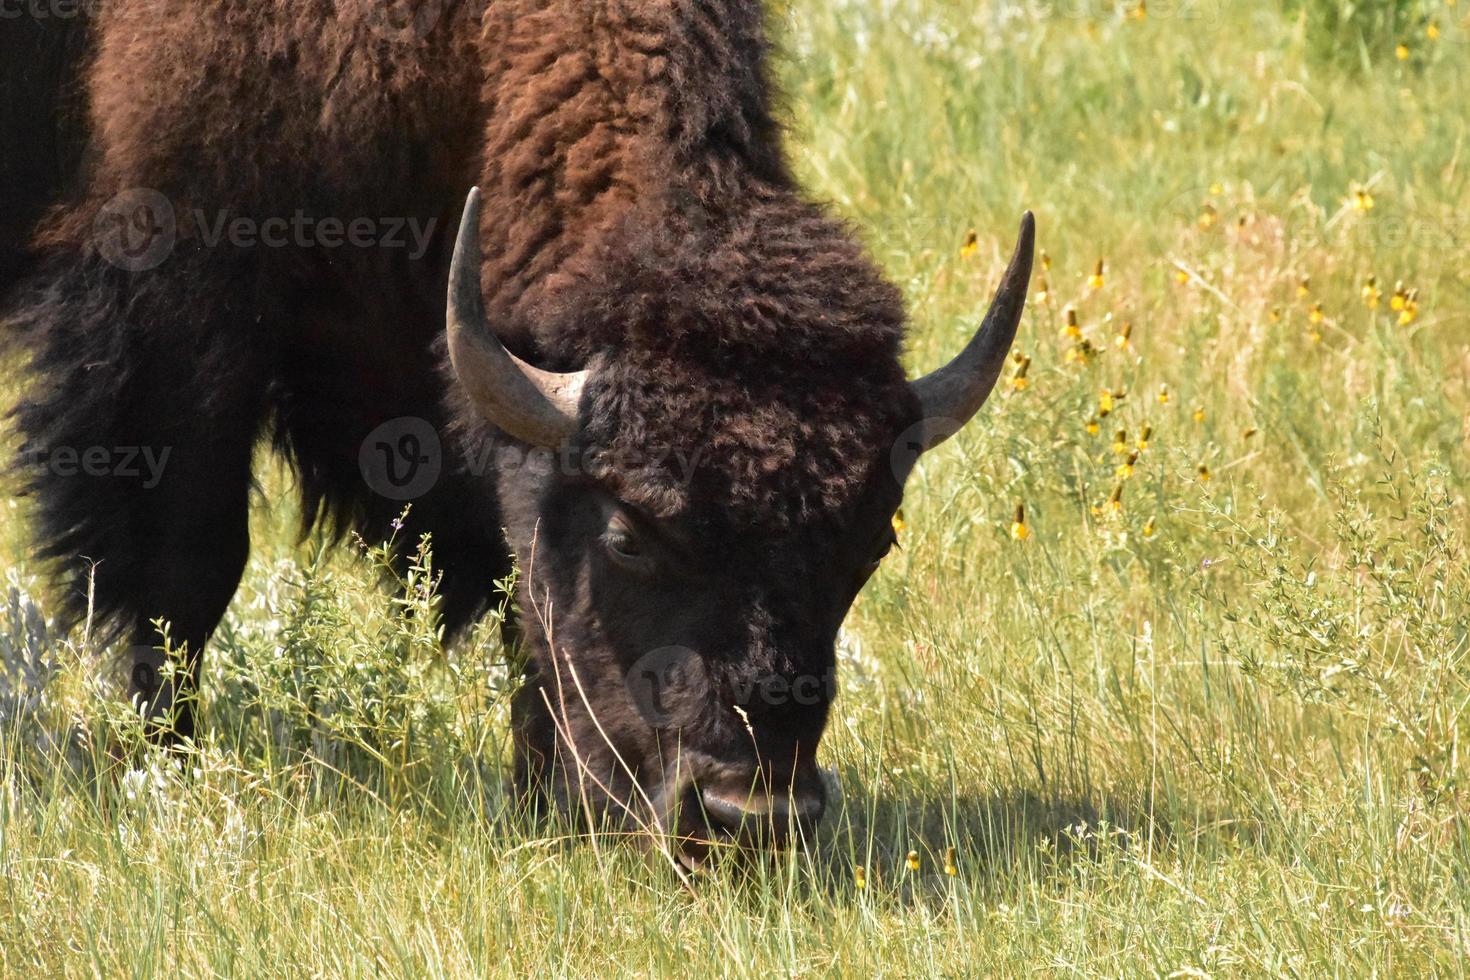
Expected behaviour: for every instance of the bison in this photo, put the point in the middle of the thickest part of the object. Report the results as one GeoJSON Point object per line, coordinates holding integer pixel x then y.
{"type": "Point", "coordinates": [664, 381]}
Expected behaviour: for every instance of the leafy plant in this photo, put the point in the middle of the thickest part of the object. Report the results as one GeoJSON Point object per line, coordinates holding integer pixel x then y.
{"type": "Point", "coordinates": [1374, 621]}
{"type": "Point", "coordinates": [1359, 33]}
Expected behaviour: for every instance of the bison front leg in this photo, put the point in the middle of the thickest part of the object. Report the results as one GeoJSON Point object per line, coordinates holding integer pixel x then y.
{"type": "Point", "coordinates": [145, 398]}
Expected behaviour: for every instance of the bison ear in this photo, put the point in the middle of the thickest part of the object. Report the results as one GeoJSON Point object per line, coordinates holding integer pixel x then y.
{"type": "Point", "coordinates": [952, 395]}
{"type": "Point", "coordinates": [537, 407]}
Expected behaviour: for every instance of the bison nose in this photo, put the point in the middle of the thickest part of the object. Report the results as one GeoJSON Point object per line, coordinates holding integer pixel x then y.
{"type": "Point", "coordinates": [761, 815]}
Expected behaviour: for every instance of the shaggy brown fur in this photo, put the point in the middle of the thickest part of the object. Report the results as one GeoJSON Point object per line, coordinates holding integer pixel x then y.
{"type": "Point", "coordinates": [640, 213]}
{"type": "Point", "coordinates": [639, 220]}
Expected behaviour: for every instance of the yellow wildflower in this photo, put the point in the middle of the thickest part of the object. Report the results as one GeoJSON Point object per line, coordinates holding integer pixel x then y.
{"type": "Point", "coordinates": [898, 522]}
{"type": "Point", "coordinates": [1115, 500]}
{"type": "Point", "coordinates": [1400, 298]}
{"type": "Point", "coordinates": [1372, 295]}
{"type": "Point", "coordinates": [1096, 279]}
{"type": "Point", "coordinates": [1199, 413]}
{"type": "Point", "coordinates": [1410, 312]}
{"type": "Point", "coordinates": [1072, 329]}
{"type": "Point", "coordinates": [1124, 333]}
{"type": "Point", "coordinates": [1401, 52]}
{"type": "Point", "coordinates": [860, 876]}
{"type": "Point", "coordinates": [1139, 12]}
{"type": "Point", "coordinates": [913, 860]}
{"type": "Point", "coordinates": [1143, 437]}
{"type": "Point", "coordinates": [1019, 381]}
{"type": "Point", "coordinates": [1148, 529]}
{"type": "Point", "coordinates": [1208, 216]}
{"type": "Point", "coordinates": [1204, 473]}
{"type": "Point", "coordinates": [1362, 200]}
{"type": "Point", "coordinates": [1432, 31]}
{"type": "Point", "coordinates": [1125, 469]}
{"type": "Point", "coordinates": [1019, 530]}
{"type": "Point", "coordinates": [971, 246]}
{"type": "Point", "coordinates": [1093, 426]}
{"type": "Point", "coordinates": [1304, 287]}
{"type": "Point", "coordinates": [1275, 314]}
{"type": "Point", "coordinates": [1315, 314]}
{"type": "Point", "coordinates": [1120, 441]}
{"type": "Point", "coordinates": [950, 867]}
{"type": "Point", "coordinates": [1043, 292]}
{"type": "Point", "coordinates": [1105, 402]}
{"type": "Point", "coordinates": [1181, 277]}
{"type": "Point", "coordinates": [1163, 395]}
{"type": "Point", "coordinates": [1081, 352]}
{"type": "Point", "coordinates": [1045, 261]}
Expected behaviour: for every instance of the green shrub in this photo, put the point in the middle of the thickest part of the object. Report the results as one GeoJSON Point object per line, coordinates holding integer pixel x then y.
{"type": "Point", "coordinates": [1373, 622]}
{"type": "Point", "coordinates": [1359, 33]}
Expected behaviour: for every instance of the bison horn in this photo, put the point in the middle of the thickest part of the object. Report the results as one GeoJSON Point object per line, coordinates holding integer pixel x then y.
{"type": "Point", "coordinates": [952, 395]}
{"type": "Point", "coordinates": [535, 406]}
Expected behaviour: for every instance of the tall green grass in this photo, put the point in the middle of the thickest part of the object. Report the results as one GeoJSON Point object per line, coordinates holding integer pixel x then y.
{"type": "Point", "coordinates": [1358, 33]}
{"type": "Point", "coordinates": [1214, 730]}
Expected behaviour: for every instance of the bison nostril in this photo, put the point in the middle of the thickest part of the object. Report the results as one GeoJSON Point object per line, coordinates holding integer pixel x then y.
{"type": "Point", "coordinates": [722, 812]}
{"type": "Point", "coordinates": [780, 811]}
{"type": "Point", "coordinates": [807, 809]}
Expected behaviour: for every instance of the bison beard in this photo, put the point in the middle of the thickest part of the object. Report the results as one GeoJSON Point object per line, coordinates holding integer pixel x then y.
{"type": "Point", "coordinates": [644, 291]}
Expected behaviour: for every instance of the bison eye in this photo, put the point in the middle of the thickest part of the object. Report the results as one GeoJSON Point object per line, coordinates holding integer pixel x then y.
{"type": "Point", "coordinates": [624, 546]}
{"type": "Point", "coordinates": [624, 543]}
{"type": "Point", "coordinates": [883, 551]}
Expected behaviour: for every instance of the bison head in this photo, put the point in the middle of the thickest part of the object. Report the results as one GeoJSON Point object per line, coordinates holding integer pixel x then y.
{"type": "Point", "coordinates": [691, 530]}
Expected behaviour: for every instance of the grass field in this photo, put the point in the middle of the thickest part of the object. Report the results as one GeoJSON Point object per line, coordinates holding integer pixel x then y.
{"type": "Point", "coordinates": [1202, 718]}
